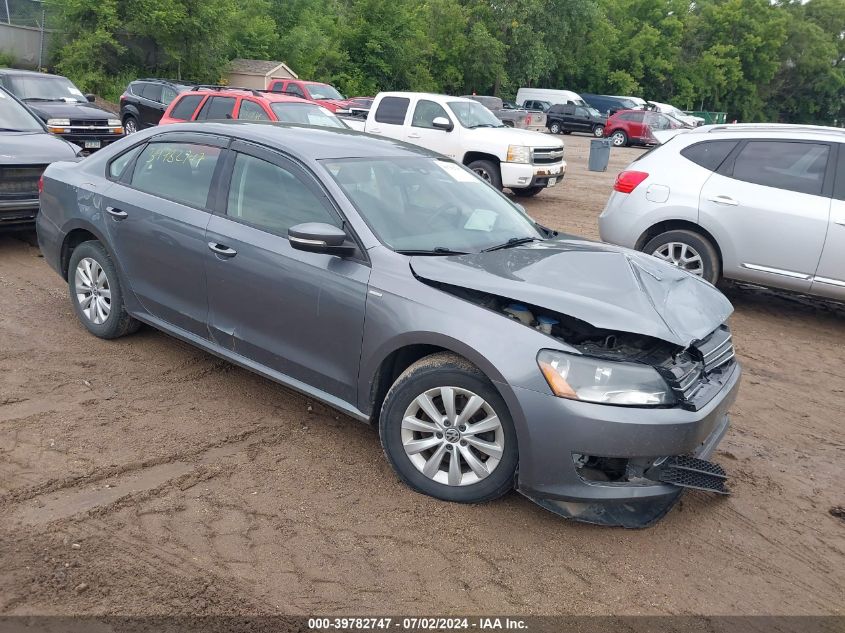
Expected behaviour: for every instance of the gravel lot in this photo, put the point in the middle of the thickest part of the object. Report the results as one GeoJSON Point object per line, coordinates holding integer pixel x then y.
{"type": "Point", "coordinates": [143, 476]}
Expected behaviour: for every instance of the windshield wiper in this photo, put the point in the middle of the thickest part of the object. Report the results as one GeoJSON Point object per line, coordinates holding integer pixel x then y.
{"type": "Point", "coordinates": [514, 241]}
{"type": "Point", "coordinates": [437, 250]}
{"type": "Point", "coordinates": [42, 99]}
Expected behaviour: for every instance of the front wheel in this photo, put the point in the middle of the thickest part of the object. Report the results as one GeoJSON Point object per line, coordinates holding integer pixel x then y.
{"type": "Point", "coordinates": [688, 251]}
{"type": "Point", "coordinates": [619, 138]}
{"type": "Point", "coordinates": [554, 128]}
{"type": "Point", "coordinates": [130, 124]}
{"type": "Point", "coordinates": [598, 131]}
{"type": "Point", "coordinates": [488, 171]}
{"type": "Point", "coordinates": [527, 192]}
{"type": "Point", "coordinates": [447, 431]}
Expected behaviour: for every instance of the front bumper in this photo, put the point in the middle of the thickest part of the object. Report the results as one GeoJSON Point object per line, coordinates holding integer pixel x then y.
{"type": "Point", "coordinates": [522, 175]}
{"type": "Point", "coordinates": [91, 142]}
{"type": "Point", "coordinates": [18, 212]}
{"type": "Point", "coordinates": [557, 428]}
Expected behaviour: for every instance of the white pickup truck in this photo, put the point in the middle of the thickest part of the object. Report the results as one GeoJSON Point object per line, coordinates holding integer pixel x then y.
{"type": "Point", "coordinates": [467, 132]}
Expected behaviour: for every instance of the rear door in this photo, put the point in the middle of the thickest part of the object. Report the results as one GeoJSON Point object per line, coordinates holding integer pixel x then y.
{"type": "Point", "coordinates": [151, 107]}
{"type": "Point", "coordinates": [297, 313]}
{"type": "Point", "coordinates": [830, 276]}
{"type": "Point", "coordinates": [157, 213]}
{"type": "Point", "coordinates": [768, 207]}
{"type": "Point", "coordinates": [389, 117]}
{"type": "Point", "coordinates": [217, 108]}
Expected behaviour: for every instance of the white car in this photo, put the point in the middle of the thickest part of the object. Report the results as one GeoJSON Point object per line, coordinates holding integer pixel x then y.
{"type": "Point", "coordinates": [666, 108]}
{"type": "Point", "coordinates": [464, 130]}
{"type": "Point", "coordinates": [761, 203]}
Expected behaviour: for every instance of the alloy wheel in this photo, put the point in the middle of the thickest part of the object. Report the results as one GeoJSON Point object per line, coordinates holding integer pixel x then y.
{"type": "Point", "coordinates": [681, 255]}
{"type": "Point", "coordinates": [93, 290]}
{"type": "Point", "coordinates": [130, 126]}
{"type": "Point", "coordinates": [452, 436]}
{"type": "Point", "coordinates": [618, 139]}
{"type": "Point", "coordinates": [598, 131]}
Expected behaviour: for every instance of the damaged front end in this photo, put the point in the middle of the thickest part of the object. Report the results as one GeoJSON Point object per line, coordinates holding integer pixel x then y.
{"type": "Point", "coordinates": [662, 382]}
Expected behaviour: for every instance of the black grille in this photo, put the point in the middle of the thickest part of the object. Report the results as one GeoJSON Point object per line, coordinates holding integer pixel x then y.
{"type": "Point", "coordinates": [690, 472]}
{"type": "Point", "coordinates": [95, 123]}
{"type": "Point", "coordinates": [17, 180]}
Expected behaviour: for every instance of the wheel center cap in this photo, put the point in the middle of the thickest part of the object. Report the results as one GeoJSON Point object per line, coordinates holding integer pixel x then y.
{"type": "Point", "coordinates": [452, 435]}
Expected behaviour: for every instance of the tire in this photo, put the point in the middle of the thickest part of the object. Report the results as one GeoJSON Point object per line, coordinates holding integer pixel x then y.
{"type": "Point", "coordinates": [488, 171]}
{"type": "Point", "coordinates": [676, 247]}
{"type": "Point", "coordinates": [527, 192]}
{"type": "Point", "coordinates": [555, 128]}
{"type": "Point", "coordinates": [598, 131]}
{"type": "Point", "coordinates": [618, 138]}
{"type": "Point", "coordinates": [91, 257]}
{"type": "Point", "coordinates": [431, 376]}
{"type": "Point", "coordinates": [508, 123]}
{"type": "Point", "coordinates": [130, 124]}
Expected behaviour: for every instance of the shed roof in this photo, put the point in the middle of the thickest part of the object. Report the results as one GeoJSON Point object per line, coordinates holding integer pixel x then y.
{"type": "Point", "coordinates": [260, 67]}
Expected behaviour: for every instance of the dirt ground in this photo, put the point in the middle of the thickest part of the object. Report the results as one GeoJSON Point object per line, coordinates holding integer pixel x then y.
{"type": "Point", "coordinates": [142, 476]}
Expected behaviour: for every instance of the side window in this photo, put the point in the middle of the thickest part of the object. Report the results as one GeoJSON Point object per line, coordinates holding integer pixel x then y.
{"type": "Point", "coordinates": [273, 198]}
{"type": "Point", "coordinates": [168, 94]}
{"type": "Point", "coordinates": [709, 154]}
{"type": "Point", "coordinates": [177, 171]}
{"type": "Point", "coordinates": [295, 90]}
{"type": "Point", "coordinates": [118, 165]}
{"type": "Point", "coordinates": [136, 87]}
{"type": "Point", "coordinates": [839, 187]}
{"type": "Point", "coordinates": [251, 111]}
{"type": "Point", "coordinates": [276, 86]}
{"type": "Point", "coordinates": [570, 109]}
{"type": "Point", "coordinates": [796, 166]}
{"type": "Point", "coordinates": [217, 108]}
{"type": "Point", "coordinates": [579, 111]}
{"type": "Point", "coordinates": [392, 110]}
{"type": "Point", "coordinates": [185, 107]}
{"type": "Point", "coordinates": [425, 113]}
{"type": "Point", "coordinates": [152, 92]}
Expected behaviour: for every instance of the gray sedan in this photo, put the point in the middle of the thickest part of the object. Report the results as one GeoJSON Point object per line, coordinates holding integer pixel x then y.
{"type": "Point", "coordinates": [394, 285]}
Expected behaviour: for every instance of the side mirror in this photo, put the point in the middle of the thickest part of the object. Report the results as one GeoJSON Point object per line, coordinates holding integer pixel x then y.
{"type": "Point", "coordinates": [318, 237]}
{"type": "Point", "coordinates": [442, 123]}
{"type": "Point", "coordinates": [90, 98]}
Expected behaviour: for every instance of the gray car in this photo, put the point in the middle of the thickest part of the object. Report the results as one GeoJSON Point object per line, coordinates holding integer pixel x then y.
{"type": "Point", "coordinates": [396, 286]}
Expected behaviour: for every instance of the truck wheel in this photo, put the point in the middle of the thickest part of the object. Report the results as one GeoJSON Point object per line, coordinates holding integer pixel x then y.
{"type": "Point", "coordinates": [527, 192]}
{"type": "Point", "coordinates": [554, 128]}
{"type": "Point", "coordinates": [488, 171]}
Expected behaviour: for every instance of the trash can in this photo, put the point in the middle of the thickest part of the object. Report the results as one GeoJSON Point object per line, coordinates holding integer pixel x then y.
{"type": "Point", "coordinates": [599, 154]}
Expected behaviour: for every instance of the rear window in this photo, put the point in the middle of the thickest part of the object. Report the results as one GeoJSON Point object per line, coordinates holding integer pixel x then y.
{"type": "Point", "coordinates": [392, 110]}
{"type": "Point", "coordinates": [185, 107]}
{"type": "Point", "coordinates": [709, 154]}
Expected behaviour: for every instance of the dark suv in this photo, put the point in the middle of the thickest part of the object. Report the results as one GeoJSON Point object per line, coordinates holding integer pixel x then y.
{"type": "Point", "coordinates": [144, 101]}
{"type": "Point", "coordinates": [62, 106]}
{"type": "Point", "coordinates": [568, 118]}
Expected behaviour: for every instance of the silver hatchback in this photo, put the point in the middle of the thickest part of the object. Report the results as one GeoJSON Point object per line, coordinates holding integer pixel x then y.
{"type": "Point", "coordinates": [761, 203]}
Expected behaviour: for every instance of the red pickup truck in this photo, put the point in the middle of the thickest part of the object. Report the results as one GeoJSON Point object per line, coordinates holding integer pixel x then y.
{"type": "Point", "coordinates": [324, 94]}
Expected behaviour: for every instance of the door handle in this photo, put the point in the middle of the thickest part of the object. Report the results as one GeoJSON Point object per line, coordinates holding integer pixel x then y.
{"type": "Point", "coordinates": [414, 136]}
{"type": "Point", "coordinates": [375, 130]}
{"type": "Point", "coordinates": [222, 249]}
{"type": "Point", "coordinates": [724, 200]}
{"type": "Point", "coordinates": [117, 213]}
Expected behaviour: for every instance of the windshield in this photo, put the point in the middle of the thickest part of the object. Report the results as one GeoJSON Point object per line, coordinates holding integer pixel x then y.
{"type": "Point", "coordinates": [305, 113]}
{"type": "Point", "coordinates": [472, 114]}
{"type": "Point", "coordinates": [428, 204]}
{"type": "Point", "coordinates": [323, 91]}
{"type": "Point", "coordinates": [44, 88]}
{"type": "Point", "coordinates": [15, 118]}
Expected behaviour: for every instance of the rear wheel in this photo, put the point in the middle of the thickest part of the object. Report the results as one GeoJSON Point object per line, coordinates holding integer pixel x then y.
{"type": "Point", "coordinates": [687, 250]}
{"type": "Point", "coordinates": [488, 171]}
{"type": "Point", "coordinates": [96, 294]}
{"type": "Point", "coordinates": [447, 431]}
{"type": "Point", "coordinates": [130, 124]}
{"type": "Point", "coordinates": [619, 138]}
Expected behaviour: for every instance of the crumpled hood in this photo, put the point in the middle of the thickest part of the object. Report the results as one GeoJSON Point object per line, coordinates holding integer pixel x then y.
{"type": "Point", "coordinates": [36, 148]}
{"type": "Point", "coordinates": [609, 287]}
{"type": "Point", "coordinates": [64, 110]}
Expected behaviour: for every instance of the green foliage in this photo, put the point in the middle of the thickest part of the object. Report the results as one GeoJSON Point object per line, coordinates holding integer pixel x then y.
{"type": "Point", "coordinates": [756, 59]}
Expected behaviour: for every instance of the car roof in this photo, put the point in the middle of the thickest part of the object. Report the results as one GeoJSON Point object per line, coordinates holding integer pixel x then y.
{"type": "Point", "coordinates": [781, 130]}
{"type": "Point", "coordinates": [436, 95]}
{"type": "Point", "coordinates": [273, 97]}
{"type": "Point", "coordinates": [18, 71]}
{"type": "Point", "coordinates": [304, 141]}
{"type": "Point", "coordinates": [173, 82]}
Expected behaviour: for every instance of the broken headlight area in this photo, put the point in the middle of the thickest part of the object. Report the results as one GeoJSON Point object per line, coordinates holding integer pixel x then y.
{"type": "Point", "coordinates": [680, 470]}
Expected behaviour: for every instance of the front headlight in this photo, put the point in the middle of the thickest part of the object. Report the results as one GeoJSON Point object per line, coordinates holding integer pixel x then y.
{"type": "Point", "coordinates": [604, 381]}
{"type": "Point", "coordinates": [114, 123]}
{"type": "Point", "coordinates": [519, 154]}
{"type": "Point", "coordinates": [58, 122]}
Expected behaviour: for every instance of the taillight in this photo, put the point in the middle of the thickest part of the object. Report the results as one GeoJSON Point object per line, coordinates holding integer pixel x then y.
{"type": "Point", "coordinates": [41, 184]}
{"type": "Point", "coordinates": [627, 181]}
{"type": "Point", "coordinates": [528, 120]}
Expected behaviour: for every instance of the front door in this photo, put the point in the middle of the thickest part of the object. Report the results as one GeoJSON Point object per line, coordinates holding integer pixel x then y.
{"type": "Point", "coordinates": [422, 130]}
{"type": "Point", "coordinates": [767, 211]}
{"type": "Point", "coordinates": [157, 216]}
{"type": "Point", "coordinates": [300, 314]}
{"type": "Point", "coordinates": [830, 276]}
